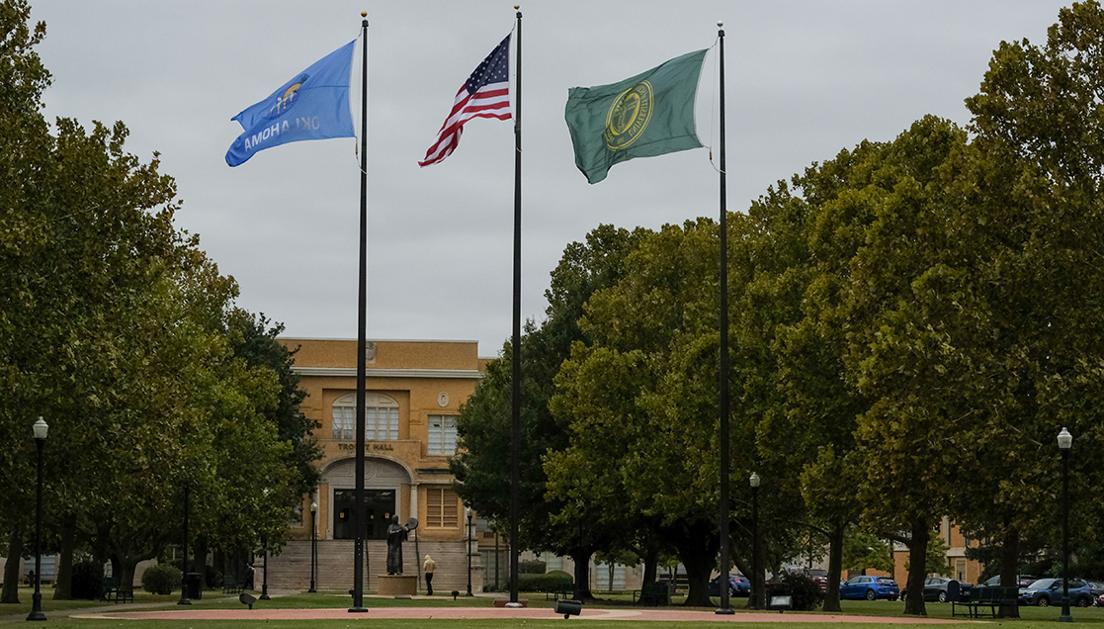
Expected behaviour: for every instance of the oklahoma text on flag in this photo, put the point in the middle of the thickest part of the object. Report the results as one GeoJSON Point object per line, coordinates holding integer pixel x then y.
{"type": "Point", "coordinates": [313, 105]}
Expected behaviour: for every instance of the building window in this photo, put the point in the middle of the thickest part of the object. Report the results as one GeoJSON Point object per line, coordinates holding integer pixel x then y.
{"type": "Point", "coordinates": [381, 417]}
{"type": "Point", "coordinates": [442, 510]}
{"type": "Point", "coordinates": [442, 434]}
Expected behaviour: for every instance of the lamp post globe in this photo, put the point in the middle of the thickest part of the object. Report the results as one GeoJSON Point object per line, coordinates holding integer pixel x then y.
{"type": "Point", "coordinates": [1065, 443]}
{"type": "Point", "coordinates": [314, 546]}
{"type": "Point", "coordinates": [40, 429]}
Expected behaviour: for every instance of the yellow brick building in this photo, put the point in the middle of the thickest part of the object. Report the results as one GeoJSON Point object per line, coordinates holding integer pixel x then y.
{"type": "Point", "coordinates": [414, 390]}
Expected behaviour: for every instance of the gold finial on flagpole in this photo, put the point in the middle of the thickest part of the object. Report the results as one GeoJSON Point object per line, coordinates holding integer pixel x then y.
{"type": "Point", "coordinates": [720, 24]}
{"type": "Point", "coordinates": [363, 14]}
{"type": "Point", "coordinates": [517, 6]}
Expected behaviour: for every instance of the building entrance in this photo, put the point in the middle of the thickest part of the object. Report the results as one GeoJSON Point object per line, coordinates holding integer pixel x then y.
{"type": "Point", "coordinates": [379, 505]}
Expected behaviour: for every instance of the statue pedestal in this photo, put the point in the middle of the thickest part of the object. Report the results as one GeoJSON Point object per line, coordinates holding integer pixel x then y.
{"type": "Point", "coordinates": [396, 585]}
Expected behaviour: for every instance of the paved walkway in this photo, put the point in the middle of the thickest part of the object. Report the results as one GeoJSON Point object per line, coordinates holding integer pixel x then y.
{"type": "Point", "coordinates": [482, 613]}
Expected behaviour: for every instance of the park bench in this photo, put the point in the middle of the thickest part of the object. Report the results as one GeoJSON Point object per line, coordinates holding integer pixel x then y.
{"type": "Point", "coordinates": [656, 594]}
{"type": "Point", "coordinates": [556, 593]}
{"type": "Point", "coordinates": [981, 597]}
{"type": "Point", "coordinates": [232, 587]}
{"type": "Point", "coordinates": [115, 594]}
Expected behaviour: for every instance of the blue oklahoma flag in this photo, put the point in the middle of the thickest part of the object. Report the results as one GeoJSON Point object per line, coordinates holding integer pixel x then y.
{"type": "Point", "coordinates": [314, 105]}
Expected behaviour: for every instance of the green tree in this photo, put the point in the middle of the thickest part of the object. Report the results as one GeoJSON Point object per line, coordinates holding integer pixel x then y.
{"type": "Point", "coordinates": [484, 425]}
{"type": "Point", "coordinates": [1036, 121]}
{"type": "Point", "coordinates": [114, 325]}
{"type": "Point", "coordinates": [864, 550]}
{"type": "Point", "coordinates": [637, 429]}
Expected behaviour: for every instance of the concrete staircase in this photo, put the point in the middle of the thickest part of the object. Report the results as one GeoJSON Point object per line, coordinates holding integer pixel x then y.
{"type": "Point", "coordinates": [290, 569]}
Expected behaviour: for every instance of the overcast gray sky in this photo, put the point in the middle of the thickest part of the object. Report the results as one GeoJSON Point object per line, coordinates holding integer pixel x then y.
{"type": "Point", "coordinates": [805, 79]}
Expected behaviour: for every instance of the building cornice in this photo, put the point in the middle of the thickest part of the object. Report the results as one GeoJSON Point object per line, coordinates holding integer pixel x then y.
{"type": "Point", "coordinates": [349, 372]}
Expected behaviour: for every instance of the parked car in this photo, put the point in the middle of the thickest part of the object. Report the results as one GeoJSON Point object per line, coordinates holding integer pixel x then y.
{"type": "Point", "coordinates": [738, 585]}
{"type": "Point", "coordinates": [935, 589]}
{"type": "Point", "coordinates": [820, 577]}
{"type": "Point", "coordinates": [1097, 588]}
{"type": "Point", "coordinates": [1022, 581]}
{"type": "Point", "coordinates": [1044, 592]}
{"type": "Point", "coordinates": [870, 588]}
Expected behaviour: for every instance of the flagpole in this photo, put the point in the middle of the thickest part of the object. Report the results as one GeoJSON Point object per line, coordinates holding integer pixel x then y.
{"type": "Point", "coordinates": [359, 515]}
{"type": "Point", "coordinates": [515, 345]}
{"type": "Point", "coordinates": [726, 607]}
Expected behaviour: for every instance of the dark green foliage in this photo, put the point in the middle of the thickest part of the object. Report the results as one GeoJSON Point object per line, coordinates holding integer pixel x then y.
{"type": "Point", "coordinates": [254, 339]}
{"type": "Point", "coordinates": [532, 566]}
{"type": "Point", "coordinates": [806, 593]}
{"type": "Point", "coordinates": [161, 579]}
{"type": "Point", "coordinates": [88, 580]}
{"type": "Point", "coordinates": [555, 581]}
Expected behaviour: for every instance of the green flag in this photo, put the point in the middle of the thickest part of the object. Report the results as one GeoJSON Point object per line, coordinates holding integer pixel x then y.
{"type": "Point", "coordinates": [649, 114]}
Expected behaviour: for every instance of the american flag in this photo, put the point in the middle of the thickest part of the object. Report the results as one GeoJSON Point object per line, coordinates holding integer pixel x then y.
{"type": "Point", "coordinates": [486, 94]}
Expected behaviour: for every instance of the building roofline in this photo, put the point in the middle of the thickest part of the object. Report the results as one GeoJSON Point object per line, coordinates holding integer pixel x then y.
{"type": "Point", "coordinates": [377, 372]}
{"type": "Point", "coordinates": [351, 340]}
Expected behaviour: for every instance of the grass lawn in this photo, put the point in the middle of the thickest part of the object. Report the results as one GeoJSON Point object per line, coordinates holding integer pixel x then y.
{"type": "Point", "coordinates": [13, 615]}
{"type": "Point", "coordinates": [48, 603]}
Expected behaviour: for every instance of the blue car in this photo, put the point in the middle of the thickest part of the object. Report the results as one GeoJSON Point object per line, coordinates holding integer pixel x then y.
{"type": "Point", "coordinates": [1046, 592]}
{"type": "Point", "coordinates": [738, 585]}
{"type": "Point", "coordinates": [869, 588]}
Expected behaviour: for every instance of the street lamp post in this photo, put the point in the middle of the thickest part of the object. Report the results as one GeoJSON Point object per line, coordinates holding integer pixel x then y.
{"type": "Point", "coordinates": [184, 600]}
{"type": "Point", "coordinates": [1065, 442]}
{"type": "Point", "coordinates": [264, 579]}
{"type": "Point", "coordinates": [40, 429]}
{"type": "Point", "coordinates": [314, 545]}
{"type": "Point", "coordinates": [756, 577]}
{"type": "Point", "coordinates": [468, 514]}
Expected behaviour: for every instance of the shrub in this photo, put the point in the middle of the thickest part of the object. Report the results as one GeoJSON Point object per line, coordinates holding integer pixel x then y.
{"type": "Point", "coordinates": [88, 581]}
{"type": "Point", "coordinates": [161, 579]}
{"type": "Point", "coordinates": [555, 581]}
{"type": "Point", "coordinates": [805, 592]}
{"type": "Point", "coordinates": [532, 566]}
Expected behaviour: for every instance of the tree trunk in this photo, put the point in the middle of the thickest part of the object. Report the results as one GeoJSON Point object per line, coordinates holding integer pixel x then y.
{"type": "Point", "coordinates": [116, 568]}
{"type": "Point", "coordinates": [651, 563]}
{"type": "Point", "coordinates": [63, 583]}
{"type": "Point", "coordinates": [835, 567]}
{"type": "Point", "coordinates": [918, 555]}
{"type": "Point", "coordinates": [11, 569]}
{"type": "Point", "coordinates": [126, 573]}
{"type": "Point", "coordinates": [581, 557]}
{"type": "Point", "coordinates": [697, 550]}
{"type": "Point", "coordinates": [1009, 569]}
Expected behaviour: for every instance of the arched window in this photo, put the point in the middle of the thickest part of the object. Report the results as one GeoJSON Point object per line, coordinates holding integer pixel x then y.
{"type": "Point", "coordinates": [381, 417]}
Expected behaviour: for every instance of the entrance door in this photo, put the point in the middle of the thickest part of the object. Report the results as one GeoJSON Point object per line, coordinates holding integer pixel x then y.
{"type": "Point", "coordinates": [379, 505]}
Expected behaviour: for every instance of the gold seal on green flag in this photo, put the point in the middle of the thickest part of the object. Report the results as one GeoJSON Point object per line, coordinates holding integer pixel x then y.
{"type": "Point", "coordinates": [649, 114]}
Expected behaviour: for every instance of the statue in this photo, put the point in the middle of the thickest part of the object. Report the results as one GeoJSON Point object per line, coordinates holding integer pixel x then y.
{"type": "Point", "coordinates": [396, 535]}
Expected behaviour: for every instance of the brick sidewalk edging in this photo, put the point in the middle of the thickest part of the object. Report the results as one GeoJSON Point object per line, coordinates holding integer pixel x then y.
{"type": "Point", "coordinates": [476, 613]}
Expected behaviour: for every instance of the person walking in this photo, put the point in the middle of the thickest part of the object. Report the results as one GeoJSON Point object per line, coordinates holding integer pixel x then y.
{"type": "Point", "coordinates": [428, 566]}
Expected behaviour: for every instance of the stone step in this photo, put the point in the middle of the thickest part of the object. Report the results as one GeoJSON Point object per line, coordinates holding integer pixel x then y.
{"type": "Point", "coordinates": [291, 568]}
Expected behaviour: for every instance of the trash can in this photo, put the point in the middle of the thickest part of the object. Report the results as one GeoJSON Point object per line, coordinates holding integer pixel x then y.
{"type": "Point", "coordinates": [193, 585]}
